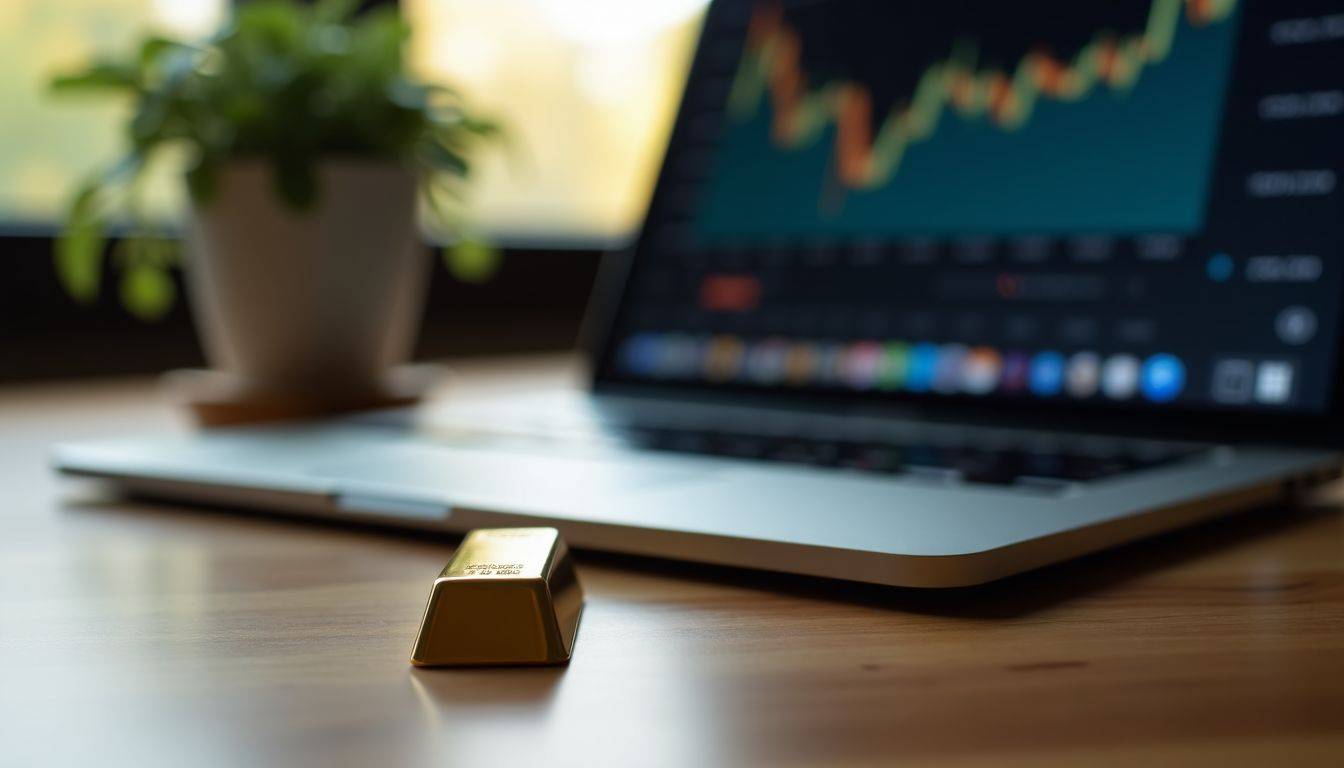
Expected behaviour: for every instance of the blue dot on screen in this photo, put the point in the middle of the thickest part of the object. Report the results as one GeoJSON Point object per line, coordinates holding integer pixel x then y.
{"type": "Point", "coordinates": [1046, 375]}
{"type": "Point", "coordinates": [1163, 378]}
{"type": "Point", "coordinates": [1220, 267]}
{"type": "Point", "coordinates": [923, 364]}
{"type": "Point", "coordinates": [641, 354]}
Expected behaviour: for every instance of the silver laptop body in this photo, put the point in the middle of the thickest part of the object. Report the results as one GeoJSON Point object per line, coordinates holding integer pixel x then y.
{"type": "Point", "coordinates": [693, 445]}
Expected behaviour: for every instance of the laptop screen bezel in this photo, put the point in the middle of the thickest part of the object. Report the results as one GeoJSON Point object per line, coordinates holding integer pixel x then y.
{"type": "Point", "coordinates": [612, 300]}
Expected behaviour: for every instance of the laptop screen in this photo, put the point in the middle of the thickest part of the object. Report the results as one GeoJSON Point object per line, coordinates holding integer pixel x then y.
{"type": "Point", "coordinates": [1126, 205]}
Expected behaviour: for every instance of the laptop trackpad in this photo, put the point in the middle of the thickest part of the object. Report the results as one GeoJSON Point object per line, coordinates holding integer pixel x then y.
{"type": "Point", "coordinates": [495, 479]}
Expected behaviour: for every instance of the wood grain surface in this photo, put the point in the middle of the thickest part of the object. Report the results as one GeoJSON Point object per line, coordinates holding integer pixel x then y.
{"type": "Point", "coordinates": [133, 634]}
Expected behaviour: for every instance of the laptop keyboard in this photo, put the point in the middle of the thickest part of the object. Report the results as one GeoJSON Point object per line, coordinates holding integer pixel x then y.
{"type": "Point", "coordinates": [1026, 460]}
{"type": "Point", "coordinates": [1005, 466]}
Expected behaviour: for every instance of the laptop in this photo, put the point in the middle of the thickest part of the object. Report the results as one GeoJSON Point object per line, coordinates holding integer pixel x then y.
{"type": "Point", "coordinates": [927, 295]}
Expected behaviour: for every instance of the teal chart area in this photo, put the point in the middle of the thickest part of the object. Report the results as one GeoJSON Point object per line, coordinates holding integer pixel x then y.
{"type": "Point", "coordinates": [1086, 130]}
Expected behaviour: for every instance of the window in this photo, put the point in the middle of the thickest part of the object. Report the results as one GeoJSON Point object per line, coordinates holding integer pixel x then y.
{"type": "Point", "coordinates": [587, 87]}
{"type": "Point", "coordinates": [48, 143]}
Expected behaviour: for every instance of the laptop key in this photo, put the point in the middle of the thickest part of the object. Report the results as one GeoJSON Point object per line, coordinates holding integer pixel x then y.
{"type": "Point", "coordinates": [742, 446]}
{"type": "Point", "coordinates": [989, 467]}
{"type": "Point", "coordinates": [870, 458]}
{"type": "Point", "coordinates": [813, 452]}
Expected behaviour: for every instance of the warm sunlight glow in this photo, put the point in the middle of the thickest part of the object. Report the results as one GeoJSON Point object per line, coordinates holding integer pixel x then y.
{"type": "Point", "coordinates": [616, 22]}
{"type": "Point", "coordinates": [193, 18]}
{"type": "Point", "coordinates": [587, 89]}
{"type": "Point", "coordinates": [48, 143]}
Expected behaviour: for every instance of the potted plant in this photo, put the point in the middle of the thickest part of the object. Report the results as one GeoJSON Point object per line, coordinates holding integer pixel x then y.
{"type": "Point", "coordinates": [307, 146]}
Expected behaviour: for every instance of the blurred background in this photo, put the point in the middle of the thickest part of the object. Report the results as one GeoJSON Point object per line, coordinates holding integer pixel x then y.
{"type": "Point", "coordinates": [588, 89]}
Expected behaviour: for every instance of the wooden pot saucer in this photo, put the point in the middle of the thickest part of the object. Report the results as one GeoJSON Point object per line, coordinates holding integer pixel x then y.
{"type": "Point", "coordinates": [217, 398]}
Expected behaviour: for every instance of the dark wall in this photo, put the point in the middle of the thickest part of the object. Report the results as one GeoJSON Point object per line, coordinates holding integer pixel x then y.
{"type": "Point", "coordinates": [534, 303]}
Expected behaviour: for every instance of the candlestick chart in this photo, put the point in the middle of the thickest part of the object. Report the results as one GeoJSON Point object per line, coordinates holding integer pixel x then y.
{"type": "Point", "coordinates": [896, 118]}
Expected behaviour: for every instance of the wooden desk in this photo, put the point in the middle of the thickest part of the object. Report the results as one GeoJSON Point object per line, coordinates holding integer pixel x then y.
{"type": "Point", "coordinates": [158, 636]}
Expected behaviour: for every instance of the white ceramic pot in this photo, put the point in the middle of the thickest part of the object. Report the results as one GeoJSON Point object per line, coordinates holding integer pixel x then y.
{"type": "Point", "coordinates": [321, 302]}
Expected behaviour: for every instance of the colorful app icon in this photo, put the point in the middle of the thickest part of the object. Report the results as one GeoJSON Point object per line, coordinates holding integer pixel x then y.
{"type": "Point", "coordinates": [1162, 378]}
{"type": "Point", "coordinates": [829, 369]}
{"type": "Point", "coordinates": [1233, 381]}
{"type": "Point", "coordinates": [640, 354]}
{"type": "Point", "coordinates": [681, 357]}
{"type": "Point", "coordinates": [980, 371]}
{"type": "Point", "coordinates": [1120, 377]}
{"type": "Point", "coordinates": [1047, 374]}
{"type": "Point", "coordinates": [1016, 369]}
{"type": "Point", "coordinates": [923, 366]}
{"type": "Point", "coordinates": [765, 361]}
{"type": "Point", "coordinates": [800, 363]}
{"type": "Point", "coordinates": [1274, 382]}
{"type": "Point", "coordinates": [723, 358]}
{"type": "Point", "coordinates": [860, 364]}
{"type": "Point", "coordinates": [895, 365]}
{"type": "Point", "coordinates": [1082, 375]}
{"type": "Point", "coordinates": [947, 372]}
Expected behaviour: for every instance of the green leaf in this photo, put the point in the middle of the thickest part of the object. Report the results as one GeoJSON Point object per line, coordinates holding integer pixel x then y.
{"type": "Point", "coordinates": [334, 11]}
{"type": "Point", "coordinates": [408, 94]}
{"type": "Point", "coordinates": [153, 47]}
{"type": "Point", "coordinates": [482, 127]}
{"type": "Point", "coordinates": [472, 260]}
{"type": "Point", "coordinates": [147, 127]}
{"type": "Point", "coordinates": [147, 291]}
{"type": "Point", "coordinates": [377, 41]}
{"type": "Point", "coordinates": [443, 159]}
{"type": "Point", "coordinates": [105, 76]}
{"type": "Point", "coordinates": [79, 249]}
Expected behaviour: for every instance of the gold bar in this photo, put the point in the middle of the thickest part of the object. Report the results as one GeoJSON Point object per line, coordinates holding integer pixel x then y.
{"type": "Point", "coordinates": [508, 596]}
